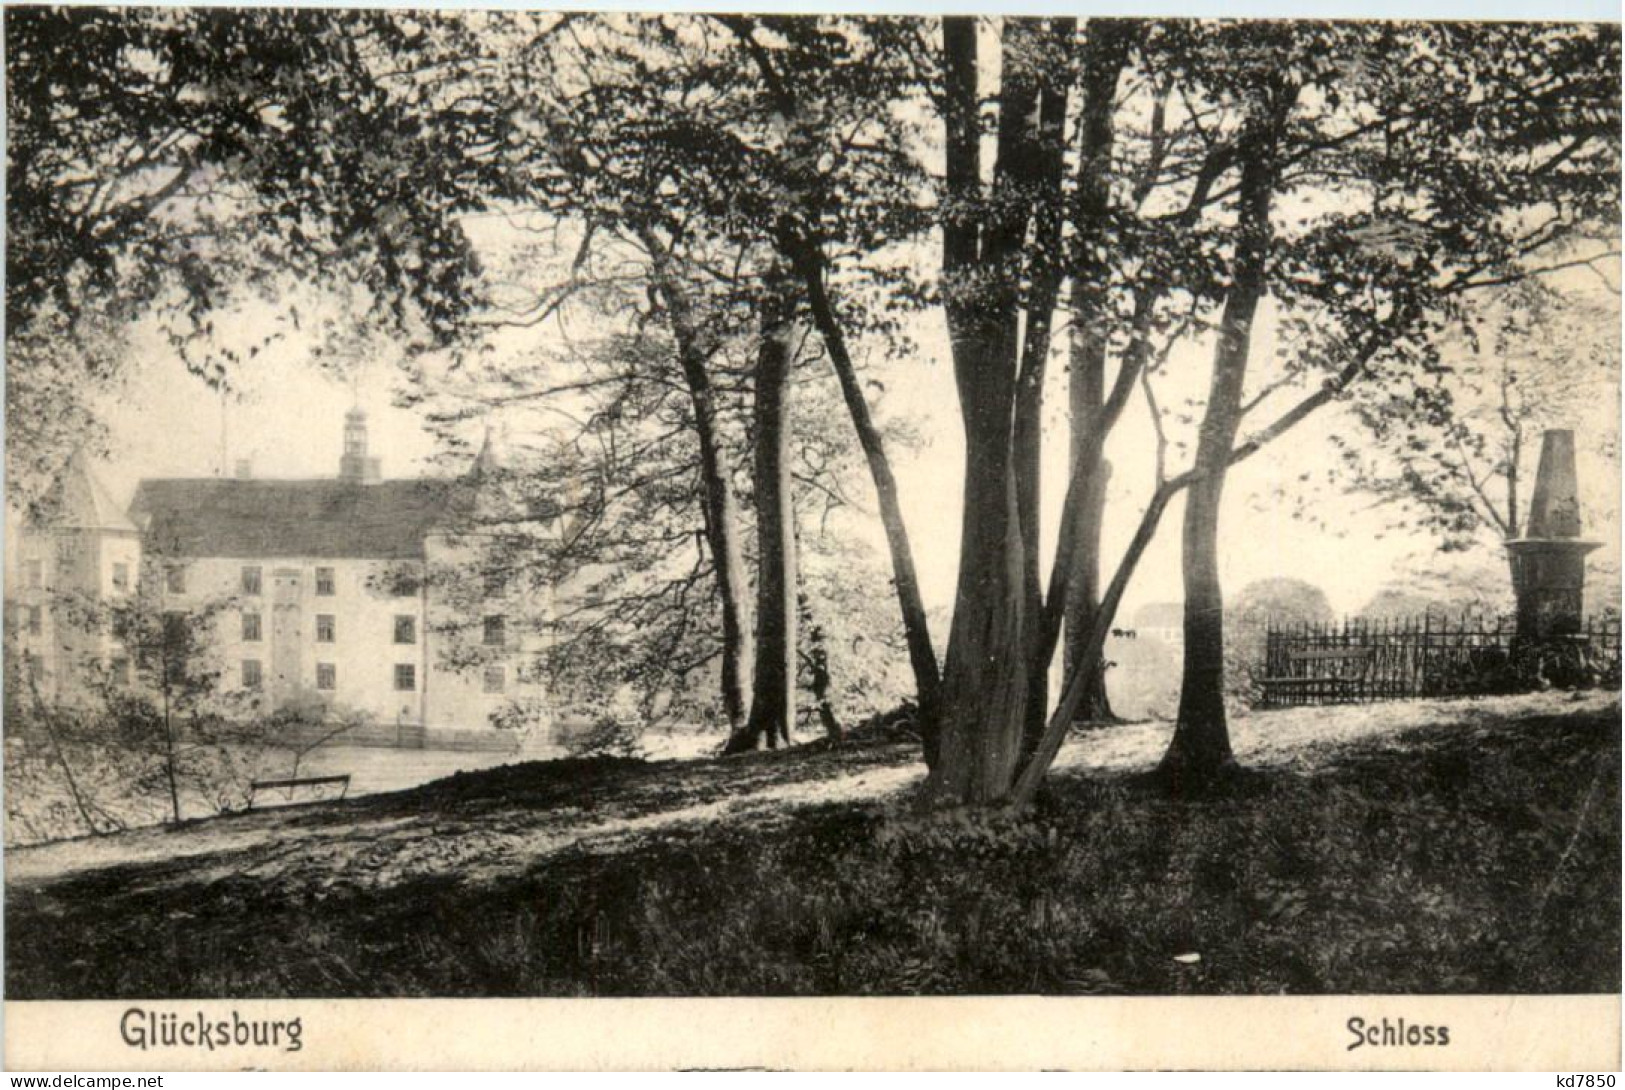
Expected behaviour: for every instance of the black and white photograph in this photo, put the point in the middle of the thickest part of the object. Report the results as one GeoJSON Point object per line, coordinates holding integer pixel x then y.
{"type": "Point", "coordinates": [1025, 508]}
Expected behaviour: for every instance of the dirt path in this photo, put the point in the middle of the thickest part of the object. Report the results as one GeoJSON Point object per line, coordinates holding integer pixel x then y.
{"type": "Point", "coordinates": [487, 825]}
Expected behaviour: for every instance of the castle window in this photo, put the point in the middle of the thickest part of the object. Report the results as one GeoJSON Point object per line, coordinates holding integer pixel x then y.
{"type": "Point", "coordinates": [34, 573]}
{"type": "Point", "coordinates": [324, 628]}
{"type": "Point", "coordinates": [35, 623]}
{"type": "Point", "coordinates": [496, 582]}
{"type": "Point", "coordinates": [406, 677]}
{"type": "Point", "coordinates": [175, 579]}
{"type": "Point", "coordinates": [495, 679]}
{"type": "Point", "coordinates": [251, 627]}
{"type": "Point", "coordinates": [327, 676]}
{"type": "Point", "coordinates": [251, 673]}
{"type": "Point", "coordinates": [406, 630]}
{"type": "Point", "coordinates": [119, 668]}
{"type": "Point", "coordinates": [496, 631]}
{"type": "Point", "coordinates": [251, 580]}
{"type": "Point", "coordinates": [121, 576]}
{"type": "Point", "coordinates": [324, 582]}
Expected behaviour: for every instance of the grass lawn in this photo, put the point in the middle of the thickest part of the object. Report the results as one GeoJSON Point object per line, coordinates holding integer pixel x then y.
{"type": "Point", "coordinates": [1433, 860]}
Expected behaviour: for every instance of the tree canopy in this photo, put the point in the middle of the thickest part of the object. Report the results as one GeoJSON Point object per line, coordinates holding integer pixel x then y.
{"type": "Point", "coordinates": [170, 162]}
{"type": "Point", "coordinates": [747, 198]}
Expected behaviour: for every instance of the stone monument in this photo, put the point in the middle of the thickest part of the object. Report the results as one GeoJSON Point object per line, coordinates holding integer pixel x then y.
{"type": "Point", "coordinates": [1548, 562]}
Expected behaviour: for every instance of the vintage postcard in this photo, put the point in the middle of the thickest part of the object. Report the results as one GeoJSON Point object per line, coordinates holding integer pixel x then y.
{"type": "Point", "coordinates": [656, 540]}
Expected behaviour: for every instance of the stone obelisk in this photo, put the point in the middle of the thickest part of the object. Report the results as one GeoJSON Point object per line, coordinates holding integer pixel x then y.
{"type": "Point", "coordinates": [1548, 562]}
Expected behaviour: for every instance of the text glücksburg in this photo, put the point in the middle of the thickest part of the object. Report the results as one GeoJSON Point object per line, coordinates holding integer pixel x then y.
{"type": "Point", "coordinates": [146, 1029]}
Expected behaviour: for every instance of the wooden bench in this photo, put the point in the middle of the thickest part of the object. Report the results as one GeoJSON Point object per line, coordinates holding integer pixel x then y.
{"type": "Point", "coordinates": [1332, 675]}
{"type": "Point", "coordinates": [256, 786]}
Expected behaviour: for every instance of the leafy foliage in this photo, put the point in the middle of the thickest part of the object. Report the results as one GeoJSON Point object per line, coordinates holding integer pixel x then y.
{"type": "Point", "coordinates": [154, 733]}
{"type": "Point", "coordinates": [1279, 602]}
{"type": "Point", "coordinates": [1454, 452]}
{"type": "Point", "coordinates": [169, 162]}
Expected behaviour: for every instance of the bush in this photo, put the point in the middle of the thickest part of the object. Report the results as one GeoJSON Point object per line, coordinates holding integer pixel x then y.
{"type": "Point", "coordinates": [609, 736]}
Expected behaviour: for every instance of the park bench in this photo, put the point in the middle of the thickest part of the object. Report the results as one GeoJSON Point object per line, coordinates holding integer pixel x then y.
{"type": "Point", "coordinates": [1330, 675]}
{"type": "Point", "coordinates": [257, 786]}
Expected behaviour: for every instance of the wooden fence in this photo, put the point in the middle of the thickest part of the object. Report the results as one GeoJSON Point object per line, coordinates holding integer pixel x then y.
{"type": "Point", "coordinates": [1401, 658]}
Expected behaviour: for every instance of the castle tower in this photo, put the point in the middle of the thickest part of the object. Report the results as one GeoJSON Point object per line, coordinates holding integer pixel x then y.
{"type": "Point", "coordinates": [80, 547]}
{"type": "Point", "coordinates": [355, 467]}
{"type": "Point", "coordinates": [1548, 562]}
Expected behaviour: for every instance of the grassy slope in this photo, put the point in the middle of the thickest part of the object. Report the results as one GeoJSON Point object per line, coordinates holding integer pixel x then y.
{"type": "Point", "coordinates": [1441, 860]}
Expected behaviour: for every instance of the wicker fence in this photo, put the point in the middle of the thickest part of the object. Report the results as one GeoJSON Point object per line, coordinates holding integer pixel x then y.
{"type": "Point", "coordinates": [1396, 659]}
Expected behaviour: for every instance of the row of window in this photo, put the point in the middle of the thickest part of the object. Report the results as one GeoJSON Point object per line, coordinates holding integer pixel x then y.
{"type": "Point", "coordinates": [326, 583]}
{"type": "Point", "coordinates": [34, 575]}
{"type": "Point", "coordinates": [118, 669]}
{"type": "Point", "coordinates": [406, 677]}
{"type": "Point", "coordinates": [175, 578]}
{"type": "Point", "coordinates": [494, 634]}
{"type": "Point", "coordinates": [495, 679]}
{"type": "Point", "coordinates": [252, 580]}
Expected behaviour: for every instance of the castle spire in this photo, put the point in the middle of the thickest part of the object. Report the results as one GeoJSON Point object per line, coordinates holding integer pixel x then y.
{"type": "Point", "coordinates": [485, 462]}
{"type": "Point", "coordinates": [355, 467]}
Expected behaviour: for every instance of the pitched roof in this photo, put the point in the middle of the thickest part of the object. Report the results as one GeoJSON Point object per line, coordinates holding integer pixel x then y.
{"type": "Point", "coordinates": [270, 518]}
{"type": "Point", "coordinates": [79, 501]}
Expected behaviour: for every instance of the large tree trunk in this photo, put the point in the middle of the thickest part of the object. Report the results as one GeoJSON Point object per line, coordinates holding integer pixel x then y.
{"type": "Point", "coordinates": [1087, 394]}
{"type": "Point", "coordinates": [916, 630]}
{"type": "Point", "coordinates": [1046, 269]}
{"type": "Point", "coordinates": [985, 688]}
{"type": "Point", "coordinates": [773, 695]}
{"type": "Point", "coordinates": [1072, 694]}
{"type": "Point", "coordinates": [1028, 456]}
{"type": "Point", "coordinates": [723, 534]}
{"type": "Point", "coordinates": [806, 255]}
{"type": "Point", "coordinates": [1103, 64]}
{"type": "Point", "coordinates": [1083, 605]}
{"type": "Point", "coordinates": [1200, 750]}
{"type": "Point", "coordinates": [721, 508]}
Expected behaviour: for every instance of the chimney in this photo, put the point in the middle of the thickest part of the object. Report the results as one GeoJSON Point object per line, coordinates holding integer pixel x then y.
{"type": "Point", "coordinates": [355, 467]}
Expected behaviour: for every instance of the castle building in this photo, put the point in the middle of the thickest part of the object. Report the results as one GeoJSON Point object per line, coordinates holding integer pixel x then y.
{"type": "Point", "coordinates": [382, 598]}
{"type": "Point", "coordinates": [1162, 621]}
{"type": "Point", "coordinates": [81, 546]}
